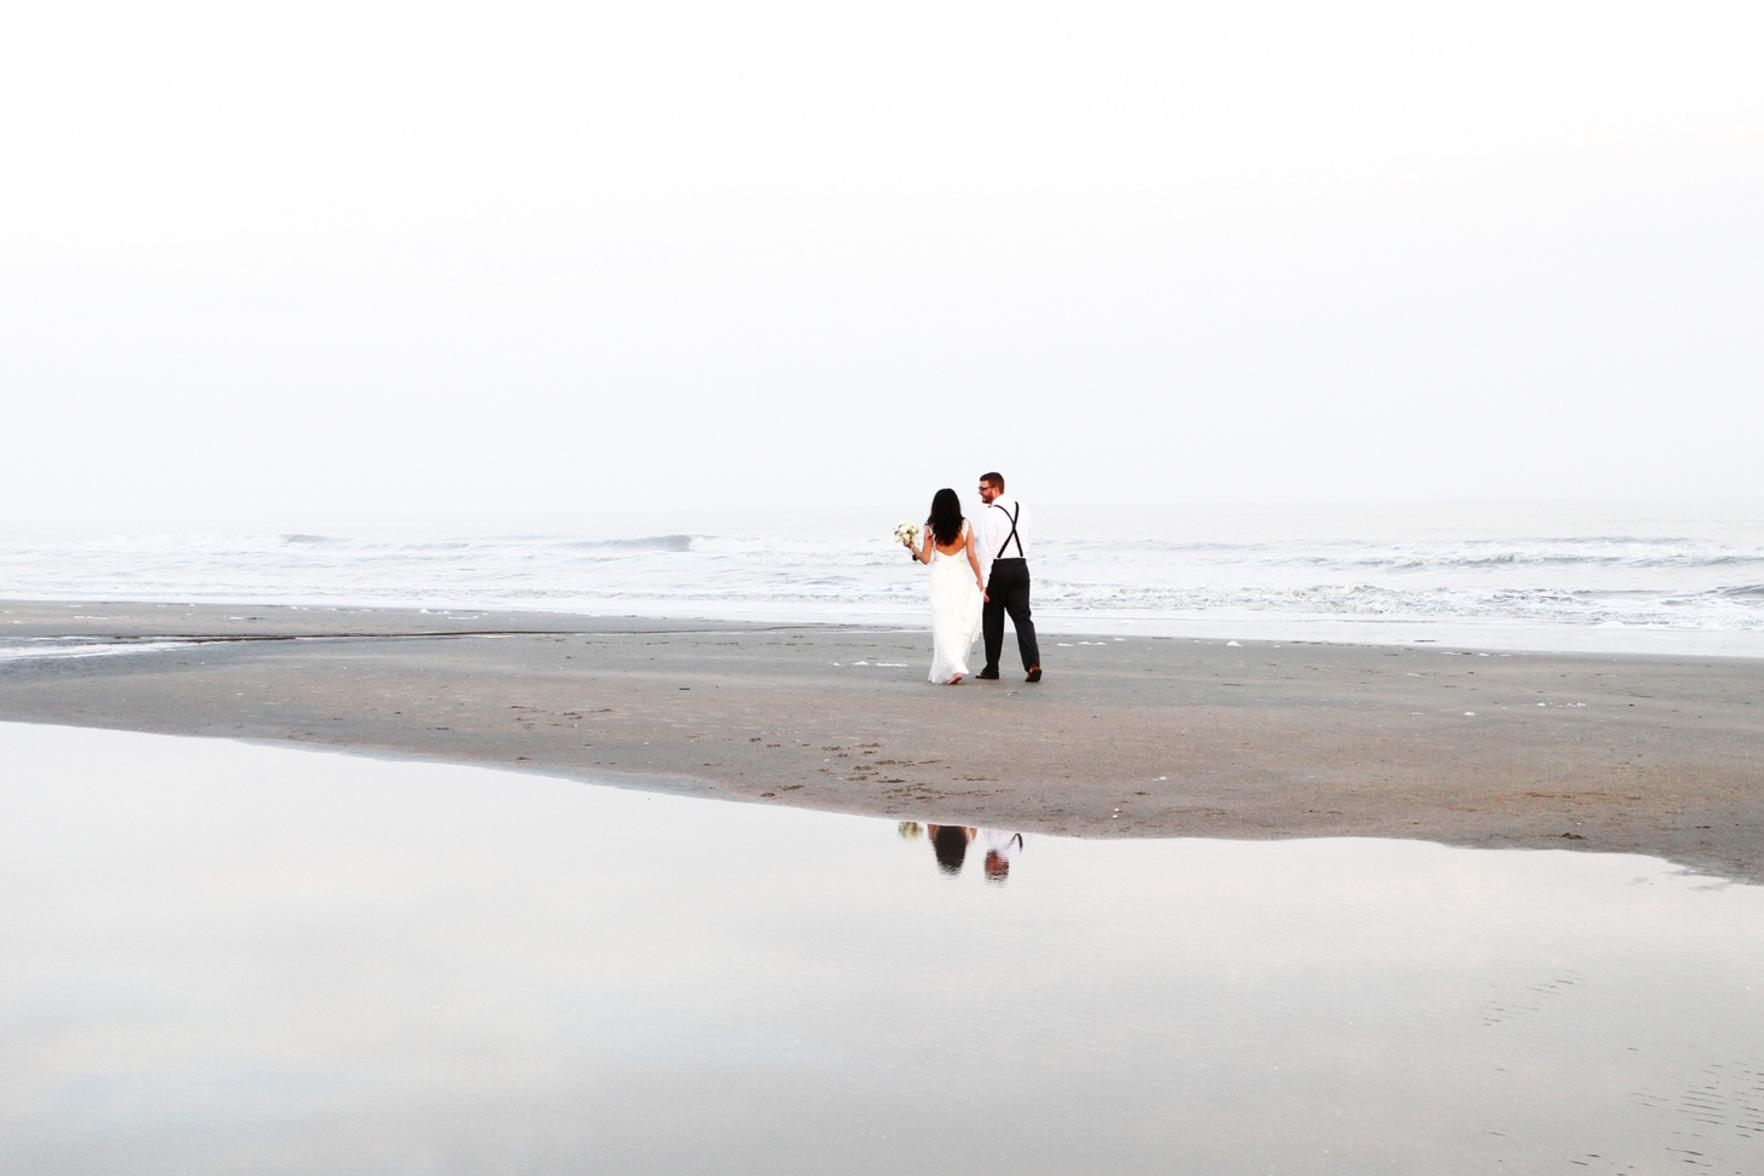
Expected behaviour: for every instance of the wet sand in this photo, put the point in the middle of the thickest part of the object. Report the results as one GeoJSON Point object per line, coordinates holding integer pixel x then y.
{"type": "Point", "coordinates": [1139, 736]}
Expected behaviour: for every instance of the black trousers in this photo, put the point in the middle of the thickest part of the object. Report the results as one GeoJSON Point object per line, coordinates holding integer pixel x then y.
{"type": "Point", "coordinates": [1007, 591]}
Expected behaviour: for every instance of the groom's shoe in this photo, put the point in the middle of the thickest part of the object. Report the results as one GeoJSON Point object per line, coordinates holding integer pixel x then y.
{"type": "Point", "coordinates": [1034, 674]}
{"type": "Point", "coordinates": [989, 674]}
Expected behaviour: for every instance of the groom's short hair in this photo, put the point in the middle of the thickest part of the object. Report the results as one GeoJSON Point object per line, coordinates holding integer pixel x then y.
{"type": "Point", "coordinates": [996, 478]}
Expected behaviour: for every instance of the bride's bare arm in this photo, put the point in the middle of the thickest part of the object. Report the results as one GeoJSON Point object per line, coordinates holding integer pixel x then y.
{"type": "Point", "coordinates": [974, 562]}
{"type": "Point", "coordinates": [923, 555]}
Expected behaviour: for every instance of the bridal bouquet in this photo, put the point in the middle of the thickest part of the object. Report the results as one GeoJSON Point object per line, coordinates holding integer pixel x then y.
{"type": "Point", "coordinates": [907, 533]}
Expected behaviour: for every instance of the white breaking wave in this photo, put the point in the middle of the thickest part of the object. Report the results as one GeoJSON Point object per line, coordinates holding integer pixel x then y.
{"type": "Point", "coordinates": [1691, 574]}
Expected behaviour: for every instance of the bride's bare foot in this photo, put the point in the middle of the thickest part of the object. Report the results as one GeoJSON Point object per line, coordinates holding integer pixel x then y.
{"type": "Point", "coordinates": [955, 681]}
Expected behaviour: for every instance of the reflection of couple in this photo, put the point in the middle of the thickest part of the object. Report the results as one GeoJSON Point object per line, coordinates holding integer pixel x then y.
{"type": "Point", "coordinates": [978, 574]}
{"type": "Point", "coordinates": [950, 845]}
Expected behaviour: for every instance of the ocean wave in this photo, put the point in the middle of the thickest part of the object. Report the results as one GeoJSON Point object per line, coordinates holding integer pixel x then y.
{"type": "Point", "coordinates": [641, 543]}
{"type": "Point", "coordinates": [1564, 554]}
{"type": "Point", "coordinates": [1541, 556]}
{"type": "Point", "coordinates": [1575, 608]}
{"type": "Point", "coordinates": [1713, 580]}
{"type": "Point", "coordinates": [1571, 606]}
{"type": "Point", "coordinates": [1559, 557]}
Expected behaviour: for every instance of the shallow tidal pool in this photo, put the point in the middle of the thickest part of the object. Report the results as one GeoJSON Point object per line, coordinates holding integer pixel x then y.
{"type": "Point", "coordinates": [222, 957]}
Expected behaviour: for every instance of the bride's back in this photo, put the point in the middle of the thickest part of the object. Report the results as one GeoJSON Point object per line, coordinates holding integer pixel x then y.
{"type": "Point", "coordinates": [955, 548]}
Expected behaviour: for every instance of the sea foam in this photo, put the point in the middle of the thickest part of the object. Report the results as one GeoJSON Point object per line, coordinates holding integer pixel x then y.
{"type": "Point", "coordinates": [1690, 573]}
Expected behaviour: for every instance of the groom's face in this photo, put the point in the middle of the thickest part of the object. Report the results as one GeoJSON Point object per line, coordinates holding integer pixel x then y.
{"type": "Point", "coordinates": [988, 492]}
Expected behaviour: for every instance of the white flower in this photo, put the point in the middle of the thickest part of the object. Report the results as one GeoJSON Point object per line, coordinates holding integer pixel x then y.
{"type": "Point", "coordinates": [907, 533]}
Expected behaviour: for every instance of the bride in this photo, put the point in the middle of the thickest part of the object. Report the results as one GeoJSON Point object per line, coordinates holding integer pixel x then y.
{"type": "Point", "coordinates": [957, 589]}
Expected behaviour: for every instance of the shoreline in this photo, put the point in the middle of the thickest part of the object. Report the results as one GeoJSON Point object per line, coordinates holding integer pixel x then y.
{"type": "Point", "coordinates": [1493, 635]}
{"type": "Point", "coordinates": [1148, 736]}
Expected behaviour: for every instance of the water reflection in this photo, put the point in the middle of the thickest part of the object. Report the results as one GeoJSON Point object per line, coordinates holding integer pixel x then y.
{"type": "Point", "coordinates": [949, 845]}
{"type": "Point", "coordinates": [223, 958]}
{"type": "Point", "coordinates": [1001, 850]}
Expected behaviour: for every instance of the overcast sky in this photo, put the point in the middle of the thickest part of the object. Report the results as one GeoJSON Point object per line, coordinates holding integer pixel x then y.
{"type": "Point", "coordinates": [272, 262]}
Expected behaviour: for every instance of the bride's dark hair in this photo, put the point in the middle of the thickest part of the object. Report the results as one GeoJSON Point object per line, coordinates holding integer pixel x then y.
{"type": "Point", "coordinates": [946, 517]}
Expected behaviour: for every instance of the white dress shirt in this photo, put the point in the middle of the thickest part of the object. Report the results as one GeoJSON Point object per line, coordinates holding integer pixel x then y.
{"type": "Point", "coordinates": [993, 526]}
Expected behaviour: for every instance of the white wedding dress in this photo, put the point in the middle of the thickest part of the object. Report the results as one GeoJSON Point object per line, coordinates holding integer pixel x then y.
{"type": "Point", "coordinates": [955, 611]}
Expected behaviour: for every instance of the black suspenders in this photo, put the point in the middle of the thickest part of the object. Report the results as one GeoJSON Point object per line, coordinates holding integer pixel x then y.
{"type": "Point", "coordinates": [1013, 534]}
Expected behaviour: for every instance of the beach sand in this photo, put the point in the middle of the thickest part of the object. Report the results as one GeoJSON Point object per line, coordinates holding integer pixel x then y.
{"type": "Point", "coordinates": [1141, 736]}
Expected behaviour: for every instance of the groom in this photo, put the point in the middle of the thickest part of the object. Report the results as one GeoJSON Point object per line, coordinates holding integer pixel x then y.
{"type": "Point", "coordinates": [1000, 530]}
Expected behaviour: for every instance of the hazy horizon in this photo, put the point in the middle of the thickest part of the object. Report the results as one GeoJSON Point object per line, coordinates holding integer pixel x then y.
{"type": "Point", "coordinates": [1065, 519]}
{"type": "Point", "coordinates": [382, 260]}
